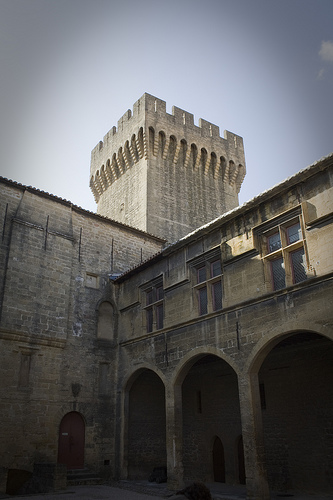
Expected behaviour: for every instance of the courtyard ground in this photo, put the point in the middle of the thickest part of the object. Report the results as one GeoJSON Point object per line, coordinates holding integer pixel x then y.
{"type": "Point", "coordinates": [143, 490]}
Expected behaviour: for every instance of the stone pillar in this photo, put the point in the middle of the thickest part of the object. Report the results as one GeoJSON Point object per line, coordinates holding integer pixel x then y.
{"type": "Point", "coordinates": [3, 479]}
{"type": "Point", "coordinates": [253, 439]}
{"type": "Point", "coordinates": [174, 436]}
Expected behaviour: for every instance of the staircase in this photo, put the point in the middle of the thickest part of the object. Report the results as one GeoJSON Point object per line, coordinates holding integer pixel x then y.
{"type": "Point", "coordinates": [77, 477]}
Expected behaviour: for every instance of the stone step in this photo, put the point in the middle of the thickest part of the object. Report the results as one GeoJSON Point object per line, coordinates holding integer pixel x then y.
{"type": "Point", "coordinates": [77, 477]}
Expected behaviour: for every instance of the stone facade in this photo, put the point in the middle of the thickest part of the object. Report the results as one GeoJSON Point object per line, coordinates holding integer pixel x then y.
{"type": "Point", "coordinates": [211, 355]}
{"type": "Point", "coordinates": [57, 262]}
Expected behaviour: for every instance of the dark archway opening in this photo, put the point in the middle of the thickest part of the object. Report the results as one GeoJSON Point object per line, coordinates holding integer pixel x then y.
{"type": "Point", "coordinates": [218, 461]}
{"type": "Point", "coordinates": [296, 381]}
{"type": "Point", "coordinates": [146, 426]}
{"type": "Point", "coordinates": [240, 460]}
{"type": "Point", "coordinates": [211, 421]}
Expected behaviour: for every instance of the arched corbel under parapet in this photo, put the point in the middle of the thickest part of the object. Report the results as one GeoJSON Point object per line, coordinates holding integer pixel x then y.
{"type": "Point", "coordinates": [108, 171]}
{"type": "Point", "coordinates": [194, 155]}
{"type": "Point", "coordinates": [220, 167]}
{"type": "Point", "coordinates": [127, 156]}
{"type": "Point", "coordinates": [120, 161]}
{"type": "Point", "coordinates": [94, 189]}
{"type": "Point", "coordinates": [232, 172]}
{"type": "Point", "coordinates": [172, 148]}
{"type": "Point", "coordinates": [133, 149]}
{"type": "Point", "coordinates": [240, 177]}
{"type": "Point", "coordinates": [161, 141]}
{"type": "Point", "coordinates": [151, 140]}
{"type": "Point", "coordinates": [98, 183]}
{"type": "Point", "coordinates": [166, 146]}
{"type": "Point", "coordinates": [182, 152]}
{"type": "Point", "coordinates": [115, 167]}
{"type": "Point", "coordinates": [213, 163]}
{"type": "Point", "coordinates": [204, 159]}
{"type": "Point", "coordinates": [140, 144]}
{"type": "Point", "coordinates": [177, 151]}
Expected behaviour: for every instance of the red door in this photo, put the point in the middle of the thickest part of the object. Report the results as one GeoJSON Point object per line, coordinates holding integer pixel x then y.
{"type": "Point", "coordinates": [71, 441]}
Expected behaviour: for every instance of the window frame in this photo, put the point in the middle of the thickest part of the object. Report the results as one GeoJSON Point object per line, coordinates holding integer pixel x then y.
{"type": "Point", "coordinates": [285, 252]}
{"type": "Point", "coordinates": [153, 308]}
{"type": "Point", "coordinates": [207, 263]}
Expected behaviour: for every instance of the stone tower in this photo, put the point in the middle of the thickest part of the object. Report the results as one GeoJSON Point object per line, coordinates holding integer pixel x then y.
{"type": "Point", "coordinates": [163, 174]}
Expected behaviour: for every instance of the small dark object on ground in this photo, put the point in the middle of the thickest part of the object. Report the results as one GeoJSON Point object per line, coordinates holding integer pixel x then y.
{"type": "Point", "coordinates": [159, 475]}
{"type": "Point", "coordinates": [196, 491]}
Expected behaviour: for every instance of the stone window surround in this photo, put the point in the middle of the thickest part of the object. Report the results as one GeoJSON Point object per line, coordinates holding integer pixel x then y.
{"type": "Point", "coordinates": [279, 226]}
{"type": "Point", "coordinates": [153, 309]}
{"type": "Point", "coordinates": [205, 261]}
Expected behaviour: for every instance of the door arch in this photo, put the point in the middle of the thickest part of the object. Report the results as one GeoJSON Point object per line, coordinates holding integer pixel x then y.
{"type": "Point", "coordinates": [218, 461]}
{"type": "Point", "coordinates": [71, 441]}
{"type": "Point", "coordinates": [145, 436]}
{"type": "Point", "coordinates": [210, 405]}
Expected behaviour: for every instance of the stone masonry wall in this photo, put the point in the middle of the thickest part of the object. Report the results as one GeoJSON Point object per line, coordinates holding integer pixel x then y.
{"type": "Point", "coordinates": [253, 319]}
{"type": "Point", "coordinates": [57, 260]}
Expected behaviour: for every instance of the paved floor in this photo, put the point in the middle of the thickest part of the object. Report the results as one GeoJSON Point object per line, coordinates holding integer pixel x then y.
{"type": "Point", "coordinates": [126, 490]}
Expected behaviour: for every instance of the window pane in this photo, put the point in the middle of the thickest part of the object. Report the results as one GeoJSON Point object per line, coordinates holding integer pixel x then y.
{"type": "Point", "coordinates": [298, 265]}
{"type": "Point", "coordinates": [278, 274]}
{"type": "Point", "coordinates": [149, 315]}
{"type": "Point", "coordinates": [159, 293]}
{"type": "Point", "coordinates": [203, 301]}
{"type": "Point", "coordinates": [217, 296]}
{"type": "Point", "coordinates": [294, 233]}
{"type": "Point", "coordinates": [274, 242]}
{"type": "Point", "coordinates": [216, 269]}
{"type": "Point", "coordinates": [159, 316]}
{"type": "Point", "coordinates": [201, 274]}
{"type": "Point", "coordinates": [149, 297]}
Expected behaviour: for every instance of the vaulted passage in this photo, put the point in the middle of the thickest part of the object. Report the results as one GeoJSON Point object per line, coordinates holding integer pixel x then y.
{"type": "Point", "coordinates": [211, 422]}
{"type": "Point", "coordinates": [296, 381]}
{"type": "Point", "coordinates": [146, 426]}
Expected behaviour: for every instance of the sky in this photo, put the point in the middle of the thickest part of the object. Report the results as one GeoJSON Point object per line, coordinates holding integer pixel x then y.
{"type": "Point", "coordinates": [262, 69]}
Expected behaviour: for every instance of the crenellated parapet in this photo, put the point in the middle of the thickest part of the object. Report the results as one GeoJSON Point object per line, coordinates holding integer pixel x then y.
{"type": "Point", "coordinates": [150, 133]}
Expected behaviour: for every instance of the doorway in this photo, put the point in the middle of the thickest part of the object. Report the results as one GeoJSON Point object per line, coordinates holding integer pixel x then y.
{"type": "Point", "coordinates": [218, 461]}
{"type": "Point", "coordinates": [71, 441]}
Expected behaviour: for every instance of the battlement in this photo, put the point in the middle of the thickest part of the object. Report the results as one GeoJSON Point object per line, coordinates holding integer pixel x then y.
{"type": "Point", "coordinates": [149, 131]}
{"type": "Point", "coordinates": [153, 109]}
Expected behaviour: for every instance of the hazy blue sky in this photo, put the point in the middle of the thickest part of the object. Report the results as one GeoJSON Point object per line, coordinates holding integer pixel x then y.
{"type": "Point", "coordinates": [70, 69]}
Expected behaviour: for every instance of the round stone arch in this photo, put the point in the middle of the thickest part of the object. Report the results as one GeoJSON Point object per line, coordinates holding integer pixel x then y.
{"type": "Point", "coordinates": [193, 356]}
{"type": "Point", "coordinates": [130, 379]}
{"type": "Point", "coordinates": [106, 319]}
{"type": "Point", "coordinates": [269, 341]}
{"type": "Point", "coordinates": [292, 371]}
{"type": "Point", "coordinates": [162, 140]}
{"type": "Point", "coordinates": [143, 436]}
{"type": "Point", "coordinates": [204, 389]}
